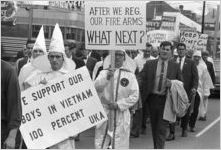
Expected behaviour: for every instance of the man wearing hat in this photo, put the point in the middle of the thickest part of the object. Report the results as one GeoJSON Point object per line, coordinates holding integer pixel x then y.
{"type": "Point", "coordinates": [58, 61]}
{"type": "Point", "coordinates": [203, 90]}
{"type": "Point", "coordinates": [39, 48]}
{"type": "Point", "coordinates": [59, 65]}
{"type": "Point", "coordinates": [126, 93]}
{"type": "Point", "coordinates": [36, 49]}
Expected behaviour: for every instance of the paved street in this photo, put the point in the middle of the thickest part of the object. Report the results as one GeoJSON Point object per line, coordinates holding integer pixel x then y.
{"type": "Point", "coordinates": [208, 140]}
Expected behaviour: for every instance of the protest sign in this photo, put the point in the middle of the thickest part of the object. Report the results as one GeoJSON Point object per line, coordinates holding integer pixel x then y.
{"type": "Point", "coordinates": [115, 25]}
{"type": "Point", "coordinates": [153, 25]}
{"type": "Point", "coordinates": [155, 37]}
{"type": "Point", "coordinates": [194, 40]}
{"type": "Point", "coordinates": [168, 23]}
{"type": "Point", "coordinates": [8, 11]}
{"type": "Point", "coordinates": [62, 108]}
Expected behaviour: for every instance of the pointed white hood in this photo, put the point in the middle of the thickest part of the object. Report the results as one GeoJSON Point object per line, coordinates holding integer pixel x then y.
{"type": "Point", "coordinates": [57, 43]}
{"type": "Point", "coordinates": [40, 41]}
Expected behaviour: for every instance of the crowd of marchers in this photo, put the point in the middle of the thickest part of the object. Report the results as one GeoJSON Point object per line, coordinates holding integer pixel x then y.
{"type": "Point", "coordinates": [162, 87]}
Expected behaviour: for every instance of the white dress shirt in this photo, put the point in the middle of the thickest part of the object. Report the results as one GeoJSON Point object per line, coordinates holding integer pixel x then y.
{"type": "Point", "coordinates": [182, 61]}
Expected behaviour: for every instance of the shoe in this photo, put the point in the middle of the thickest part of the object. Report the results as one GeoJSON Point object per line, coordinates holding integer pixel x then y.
{"type": "Point", "coordinates": [192, 129]}
{"type": "Point", "coordinates": [134, 135]}
{"type": "Point", "coordinates": [202, 118]}
{"type": "Point", "coordinates": [184, 133]}
{"type": "Point", "coordinates": [170, 137]}
{"type": "Point", "coordinates": [143, 131]}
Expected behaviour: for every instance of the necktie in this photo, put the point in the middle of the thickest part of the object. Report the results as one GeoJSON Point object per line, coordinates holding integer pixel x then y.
{"type": "Point", "coordinates": [161, 77]}
{"type": "Point", "coordinates": [180, 59]}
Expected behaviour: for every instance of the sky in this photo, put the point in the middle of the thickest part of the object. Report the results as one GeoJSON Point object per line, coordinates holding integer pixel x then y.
{"type": "Point", "coordinates": [195, 6]}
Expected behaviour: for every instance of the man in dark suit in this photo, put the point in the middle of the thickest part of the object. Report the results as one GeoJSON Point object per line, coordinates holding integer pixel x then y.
{"type": "Point", "coordinates": [89, 61]}
{"type": "Point", "coordinates": [190, 79]}
{"type": "Point", "coordinates": [154, 79]}
{"type": "Point", "coordinates": [27, 54]}
{"type": "Point", "coordinates": [11, 110]}
{"type": "Point", "coordinates": [70, 51]}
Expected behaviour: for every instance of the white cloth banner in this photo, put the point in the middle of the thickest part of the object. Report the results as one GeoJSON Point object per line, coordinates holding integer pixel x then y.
{"type": "Point", "coordinates": [194, 40]}
{"type": "Point", "coordinates": [62, 108]}
{"type": "Point", "coordinates": [115, 25]}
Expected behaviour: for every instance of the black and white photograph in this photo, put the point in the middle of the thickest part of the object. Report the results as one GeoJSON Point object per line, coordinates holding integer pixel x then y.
{"type": "Point", "coordinates": [90, 74]}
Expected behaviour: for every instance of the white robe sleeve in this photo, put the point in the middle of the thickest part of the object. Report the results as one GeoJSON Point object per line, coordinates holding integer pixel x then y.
{"type": "Point", "coordinates": [207, 83]}
{"type": "Point", "coordinates": [21, 79]}
{"type": "Point", "coordinates": [101, 81]}
{"type": "Point", "coordinates": [127, 102]}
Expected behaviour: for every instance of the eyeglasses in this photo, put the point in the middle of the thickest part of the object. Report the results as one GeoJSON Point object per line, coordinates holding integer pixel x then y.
{"type": "Point", "coordinates": [119, 54]}
{"type": "Point", "coordinates": [54, 56]}
{"type": "Point", "coordinates": [29, 47]}
{"type": "Point", "coordinates": [37, 51]}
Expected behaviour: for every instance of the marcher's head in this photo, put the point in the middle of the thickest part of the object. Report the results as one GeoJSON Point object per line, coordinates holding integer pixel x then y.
{"type": "Point", "coordinates": [82, 51]}
{"type": "Point", "coordinates": [119, 58]}
{"type": "Point", "coordinates": [197, 56]}
{"type": "Point", "coordinates": [70, 48]}
{"type": "Point", "coordinates": [147, 51]}
{"type": "Point", "coordinates": [30, 45]}
{"type": "Point", "coordinates": [26, 52]}
{"type": "Point", "coordinates": [39, 47]}
{"type": "Point", "coordinates": [181, 49]}
{"type": "Point", "coordinates": [154, 52]}
{"type": "Point", "coordinates": [37, 52]}
{"type": "Point", "coordinates": [189, 54]}
{"type": "Point", "coordinates": [104, 53]}
{"type": "Point", "coordinates": [56, 60]}
{"type": "Point", "coordinates": [205, 55]}
{"type": "Point", "coordinates": [56, 53]}
{"type": "Point", "coordinates": [165, 50]}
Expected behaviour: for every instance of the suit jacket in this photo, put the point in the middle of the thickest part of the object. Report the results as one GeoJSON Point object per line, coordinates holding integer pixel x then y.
{"type": "Point", "coordinates": [11, 111]}
{"type": "Point", "coordinates": [190, 76]}
{"type": "Point", "coordinates": [21, 62]}
{"type": "Point", "coordinates": [20, 54]}
{"type": "Point", "coordinates": [79, 62]}
{"type": "Point", "coordinates": [147, 76]}
{"type": "Point", "coordinates": [90, 64]}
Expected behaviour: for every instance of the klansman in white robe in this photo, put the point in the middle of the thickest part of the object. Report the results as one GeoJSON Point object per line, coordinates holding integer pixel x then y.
{"type": "Point", "coordinates": [128, 93]}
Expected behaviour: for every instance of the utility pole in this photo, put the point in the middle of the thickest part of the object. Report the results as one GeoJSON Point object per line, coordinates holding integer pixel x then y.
{"type": "Point", "coordinates": [216, 31]}
{"type": "Point", "coordinates": [30, 10]}
{"type": "Point", "coordinates": [203, 16]}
